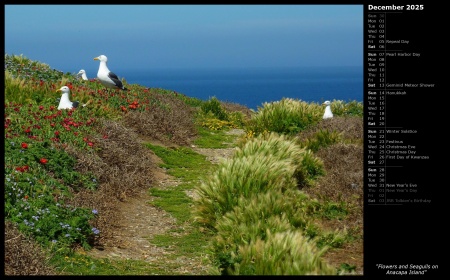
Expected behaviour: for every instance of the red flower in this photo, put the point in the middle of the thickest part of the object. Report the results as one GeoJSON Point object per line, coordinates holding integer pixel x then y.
{"type": "Point", "coordinates": [90, 144]}
{"type": "Point", "coordinates": [22, 168]}
{"type": "Point", "coordinates": [26, 197]}
{"type": "Point", "coordinates": [24, 145]}
{"type": "Point", "coordinates": [43, 161]}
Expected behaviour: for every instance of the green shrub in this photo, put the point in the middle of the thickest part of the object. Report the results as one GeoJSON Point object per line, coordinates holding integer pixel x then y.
{"type": "Point", "coordinates": [209, 120]}
{"type": "Point", "coordinates": [213, 106]}
{"type": "Point", "coordinates": [351, 108]}
{"type": "Point", "coordinates": [236, 119]}
{"type": "Point", "coordinates": [287, 116]}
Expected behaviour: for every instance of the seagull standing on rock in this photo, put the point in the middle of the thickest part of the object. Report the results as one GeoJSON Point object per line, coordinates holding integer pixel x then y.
{"type": "Point", "coordinates": [328, 114]}
{"type": "Point", "coordinates": [106, 77]}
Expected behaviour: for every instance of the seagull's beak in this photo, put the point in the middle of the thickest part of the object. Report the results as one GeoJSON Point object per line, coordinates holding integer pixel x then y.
{"type": "Point", "coordinates": [96, 58]}
{"type": "Point", "coordinates": [58, 90]}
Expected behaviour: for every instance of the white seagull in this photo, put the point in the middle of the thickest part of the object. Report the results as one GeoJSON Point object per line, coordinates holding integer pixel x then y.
{"type": "Point", "coordinates": [64, 101]}
{"type": "Point", "coordinates": [328, 114]}
{"type": "Point", "coordinates": [106, 77]}
{"type": "Point", "coordinates": [82, 74]}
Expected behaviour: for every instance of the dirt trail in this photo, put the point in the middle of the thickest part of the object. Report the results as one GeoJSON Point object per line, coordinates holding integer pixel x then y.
{"type": "Point", "coordinates": [138, 222]}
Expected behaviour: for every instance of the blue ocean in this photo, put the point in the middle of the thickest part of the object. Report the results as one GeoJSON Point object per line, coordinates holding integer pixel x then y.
{"type": "Point", "coordinates": [252, 87]}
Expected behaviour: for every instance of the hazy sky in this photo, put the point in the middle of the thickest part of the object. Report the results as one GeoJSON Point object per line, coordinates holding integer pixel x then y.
{"type": "Point", "coordinates": [68, 37]}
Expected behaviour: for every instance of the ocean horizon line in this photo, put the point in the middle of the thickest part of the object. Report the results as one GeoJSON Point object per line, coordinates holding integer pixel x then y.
{"type": "Point", "coordinates": [252, 86]}
{"type": "Point", "coordinates": [221, 68]}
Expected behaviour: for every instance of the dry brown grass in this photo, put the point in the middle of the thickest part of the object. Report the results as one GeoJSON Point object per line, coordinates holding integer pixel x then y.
{"type": "Point", "coordinates": [23, 256]}
{"type": "Point", "coordinates": [343, 162]}
{"type": "Point", "coordinates": [172, 123]}
{"type": "Point", "coordinates": [124, 168]}
{"type": "Point", "coordinates": [351, 129]}
{"type": "Point", "coordinates": [235, 107]}
{"type": "Point", "coordinates": [343, 183]}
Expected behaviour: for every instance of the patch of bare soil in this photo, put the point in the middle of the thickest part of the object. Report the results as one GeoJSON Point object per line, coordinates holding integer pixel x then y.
{"type": "Point", "coordinates": [137, 221]}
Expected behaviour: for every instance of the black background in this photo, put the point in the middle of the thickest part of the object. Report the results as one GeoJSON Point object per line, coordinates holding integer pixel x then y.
{"type": "Point", "coordinates": [412, 234]}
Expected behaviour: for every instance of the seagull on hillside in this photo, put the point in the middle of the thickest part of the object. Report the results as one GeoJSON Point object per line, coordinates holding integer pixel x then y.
{"type": "Point", "coordinates": [64, 101]}
{"type": "Point", "coordinates": [328, 114]}
{"type": "Point", "coordinates": [82, 74]}
{"type": "Point", "coordinates": [106, 77]}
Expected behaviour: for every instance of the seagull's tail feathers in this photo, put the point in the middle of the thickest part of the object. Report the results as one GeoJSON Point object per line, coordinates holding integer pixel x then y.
{"type": "Point", "coordinates": [77, 104]}
{"type": "Point", "coordinates": [89, 101]}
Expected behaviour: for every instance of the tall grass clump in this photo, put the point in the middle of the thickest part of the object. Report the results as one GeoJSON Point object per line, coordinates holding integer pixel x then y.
{"type": "Point", "coordinates": [321, 139]}
{"type": "Point", "coordinates": [240, 177]}
{"type": "Point", "coordinates": [287, 116]}
{"type": "Point", "coordinates": [310, 169]}
{"type": "Point", "coordinates": [20, 90]}
{"type": "Point", "coordinates": [282, 253]}
{"type": "Point", "coordinates": [270, 212]}
{"type": "Point", "coordinates": [308, 166]}
{"type": "Point", "coordinates": [253, 217]}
